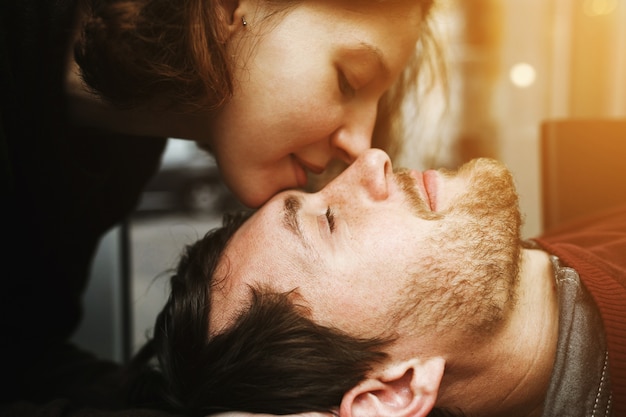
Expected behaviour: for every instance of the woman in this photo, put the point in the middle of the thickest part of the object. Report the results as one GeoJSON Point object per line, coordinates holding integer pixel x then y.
{"type": "Point", "coordinates": [273, 89]}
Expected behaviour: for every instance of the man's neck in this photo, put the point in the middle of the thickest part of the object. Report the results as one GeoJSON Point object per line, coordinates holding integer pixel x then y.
{"type": "Point", "coordinates": [509, 374]}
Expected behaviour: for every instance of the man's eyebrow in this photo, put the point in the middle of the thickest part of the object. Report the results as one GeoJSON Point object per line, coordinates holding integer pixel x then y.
{"type": "Point", "coordinates": [291, 216]}
{"type": "Point", "coordinates": [291, 207]}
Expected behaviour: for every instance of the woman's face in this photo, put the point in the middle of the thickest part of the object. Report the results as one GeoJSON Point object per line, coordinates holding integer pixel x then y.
{"type": "Point", "coordinates": [307, 86]}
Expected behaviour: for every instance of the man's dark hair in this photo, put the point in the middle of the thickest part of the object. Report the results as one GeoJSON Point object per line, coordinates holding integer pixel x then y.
{"type": "Point", "coordinates": [273, 359]}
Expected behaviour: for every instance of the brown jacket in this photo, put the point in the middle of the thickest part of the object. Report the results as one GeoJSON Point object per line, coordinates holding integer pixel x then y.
{"type": "Point", "coordinates": [595, 247]}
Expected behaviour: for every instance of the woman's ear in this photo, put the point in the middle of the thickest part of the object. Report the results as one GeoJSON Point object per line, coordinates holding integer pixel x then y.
{"type": "Point", "coordinates": [232, 15]}
{"type": "Point", "coordinates": [406, 389]}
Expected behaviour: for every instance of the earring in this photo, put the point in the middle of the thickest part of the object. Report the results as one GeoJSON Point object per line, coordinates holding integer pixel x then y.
{"type": "Point", "coordinates": [243, 20]}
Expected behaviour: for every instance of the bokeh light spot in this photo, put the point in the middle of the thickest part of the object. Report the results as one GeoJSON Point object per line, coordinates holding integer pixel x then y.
{"type": "Point", "coordinates": [522, 75]}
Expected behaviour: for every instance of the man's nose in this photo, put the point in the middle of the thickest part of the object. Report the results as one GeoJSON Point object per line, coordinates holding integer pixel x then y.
{"type": "Point", "coordinates": [371, 171]}
{"type": "Point", "coordinates": [355, 136]}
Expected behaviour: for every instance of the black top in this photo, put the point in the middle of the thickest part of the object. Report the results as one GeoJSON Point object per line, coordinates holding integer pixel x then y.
{"type": "Point", "coordinates": [62, 187]}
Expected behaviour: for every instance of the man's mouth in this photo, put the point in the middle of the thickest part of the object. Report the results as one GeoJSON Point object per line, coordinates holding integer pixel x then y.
{"type": "Point", "coordinates": [426, 183]}
{"type": "Point", "coordinates": [430, 186]}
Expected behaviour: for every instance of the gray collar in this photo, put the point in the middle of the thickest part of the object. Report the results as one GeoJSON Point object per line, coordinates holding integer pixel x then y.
{"type": "Point", "coordinates": [579, 385]}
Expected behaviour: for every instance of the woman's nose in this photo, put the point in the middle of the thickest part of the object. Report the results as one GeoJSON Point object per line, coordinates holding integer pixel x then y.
{"type": "Point", "coordinates": [371, 171]}
{"type": "Point", "coordinates": [355, 135]}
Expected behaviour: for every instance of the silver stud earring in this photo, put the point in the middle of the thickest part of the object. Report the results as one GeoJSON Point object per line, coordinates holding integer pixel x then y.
{"type": "Point", "coordinates": [243, 20]}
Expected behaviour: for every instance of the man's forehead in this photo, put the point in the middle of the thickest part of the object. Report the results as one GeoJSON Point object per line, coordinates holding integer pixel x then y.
{"type": "Point", "coordinates": [230, 284]}
{"type": "Point", "coordinates": [263, 252]}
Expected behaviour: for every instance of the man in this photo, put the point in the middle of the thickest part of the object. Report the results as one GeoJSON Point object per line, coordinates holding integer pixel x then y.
{"type": "Point", "coordinates": [398, 294]}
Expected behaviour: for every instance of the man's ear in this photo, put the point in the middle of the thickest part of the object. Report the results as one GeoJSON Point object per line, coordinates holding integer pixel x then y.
{"type": "Point", "coordinates": [405, 389]}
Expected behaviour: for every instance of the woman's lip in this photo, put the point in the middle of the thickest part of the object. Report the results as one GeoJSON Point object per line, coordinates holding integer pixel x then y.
{"type": "Point", "coordinates": [315, 169]}
{"type": "Point", "coordinates": [301, 167]}
{"type": "Point", "coordinates": [300, 172]}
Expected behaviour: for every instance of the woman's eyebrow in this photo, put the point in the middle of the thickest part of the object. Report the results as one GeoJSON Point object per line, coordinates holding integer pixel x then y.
{"type": "Point", "coordinates": [370, 52]}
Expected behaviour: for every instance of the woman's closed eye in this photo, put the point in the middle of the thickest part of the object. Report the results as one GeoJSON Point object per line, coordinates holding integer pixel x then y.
{"type": "Point", "coordinates": [346, 89]}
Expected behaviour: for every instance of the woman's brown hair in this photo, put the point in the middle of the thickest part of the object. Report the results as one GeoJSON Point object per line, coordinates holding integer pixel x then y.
{"type": "Point", "coordinates": [132, 52]}
{"type": "Point", "coordinates": [137, 52]}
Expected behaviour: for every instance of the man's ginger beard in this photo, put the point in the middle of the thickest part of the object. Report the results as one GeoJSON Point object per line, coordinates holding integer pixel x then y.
{"type": "Point", "coordinates": [469, 282]}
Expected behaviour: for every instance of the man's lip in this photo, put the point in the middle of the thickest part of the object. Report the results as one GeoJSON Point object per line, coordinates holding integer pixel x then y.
{"type": "Point", "coordinates": [426, 184]}
{"type": "Point", "coordinates": [430, 185]}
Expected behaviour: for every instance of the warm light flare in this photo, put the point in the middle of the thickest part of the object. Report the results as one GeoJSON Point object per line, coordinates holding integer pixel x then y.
{"type": "Point", "coordinates": [594, 8]}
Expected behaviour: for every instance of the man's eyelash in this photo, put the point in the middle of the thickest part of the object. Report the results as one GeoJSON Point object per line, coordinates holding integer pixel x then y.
{"type": "Point", "coordinates": [330, 218]}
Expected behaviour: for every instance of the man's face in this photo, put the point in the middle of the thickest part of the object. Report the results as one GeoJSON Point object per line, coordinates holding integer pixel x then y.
{"type": "Point", "coordinates": [377, 250]}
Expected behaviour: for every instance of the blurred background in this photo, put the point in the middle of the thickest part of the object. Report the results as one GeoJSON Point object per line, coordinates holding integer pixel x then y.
{"type": "Point", "coordinates": [512, 64]}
